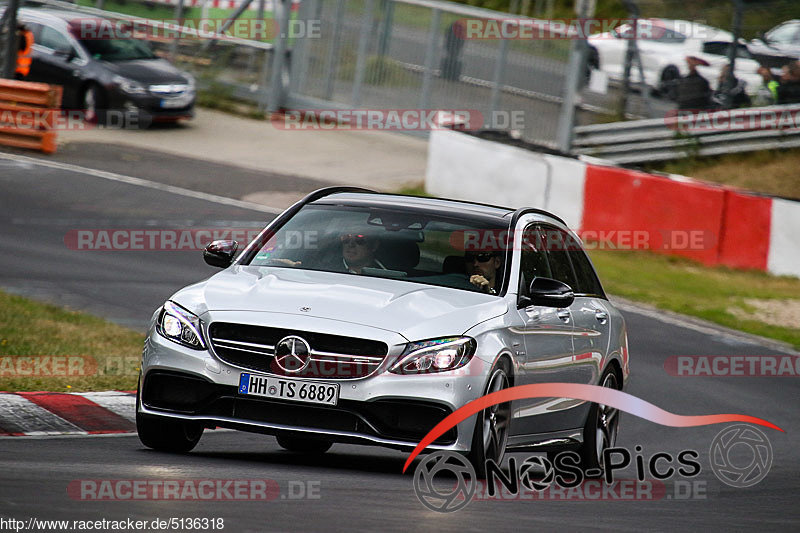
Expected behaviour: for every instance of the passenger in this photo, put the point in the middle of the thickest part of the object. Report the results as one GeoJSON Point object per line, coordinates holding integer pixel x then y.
{"type": "Point", "coordinates": [482, 270]}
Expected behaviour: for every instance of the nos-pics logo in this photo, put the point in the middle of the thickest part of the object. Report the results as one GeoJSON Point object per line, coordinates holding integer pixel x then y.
{"type": "Point", "coordinates": [445, 481]}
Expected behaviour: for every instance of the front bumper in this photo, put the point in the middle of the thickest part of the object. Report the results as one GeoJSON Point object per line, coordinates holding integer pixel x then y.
{"type": "Point", "coordinates": [382, 409]}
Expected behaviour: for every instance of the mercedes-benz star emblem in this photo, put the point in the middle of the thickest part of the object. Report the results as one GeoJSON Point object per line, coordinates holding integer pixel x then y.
{"type": "Point", "coordinates": [292, 354]}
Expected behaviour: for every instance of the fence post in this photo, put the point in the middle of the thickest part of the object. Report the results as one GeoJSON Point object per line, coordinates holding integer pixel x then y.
{"type": "Point", "coordinates": [497, 80]}
{"type": "Point", "coordinates": [575, 69]}
{"type": "Point", "coordinates": [333, 51]}
{"type": "Point", "coordinates": [430, 53]}
{"type": "Point", "coordinates": [361, 57]}
{"type": "Point", "coordinates": [10, 46]}
{"type": "Point", "coordinates": [277, 93]}
{"type": "Point", "coordinates": [298, 67]}
{"type": "Point", "coordinates": [173, 52]}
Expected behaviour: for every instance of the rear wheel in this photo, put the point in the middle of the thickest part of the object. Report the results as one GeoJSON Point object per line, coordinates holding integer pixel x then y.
{"type": "Point", "coordinates": [301, 445]}
{"type": "Point", "coordinates": [491, 429]}
{"type": "Point", "coordinates": [600, 431]}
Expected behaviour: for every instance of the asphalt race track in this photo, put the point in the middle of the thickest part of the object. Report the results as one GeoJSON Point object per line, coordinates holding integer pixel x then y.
{"type": "Point", "coordinates": [351, 488]}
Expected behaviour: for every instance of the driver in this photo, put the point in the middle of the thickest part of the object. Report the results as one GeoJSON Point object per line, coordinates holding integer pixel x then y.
{"type": "Point", "coordinates": [358, 251]}
{"type": "Point", "coordinates": [482, 270]}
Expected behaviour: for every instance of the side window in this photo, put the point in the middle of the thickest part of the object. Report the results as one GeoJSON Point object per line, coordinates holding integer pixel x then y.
{"type": "Point", "coordinates": [587, 278]}
{"type": "Point", "coordinates": [533, 259]}
{"type": "Point", "coordinates": [53, 39]}
{"type": "Point", "coordinates": [557, 244]}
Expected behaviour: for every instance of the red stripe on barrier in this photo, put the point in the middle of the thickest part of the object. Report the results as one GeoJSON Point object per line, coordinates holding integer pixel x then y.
{"type": "Point", "coordinates": [682, 218]}
{"type": "Point", "coordinates": [81, 412]}
{"type": "Point", "coordinates": [745, 230]}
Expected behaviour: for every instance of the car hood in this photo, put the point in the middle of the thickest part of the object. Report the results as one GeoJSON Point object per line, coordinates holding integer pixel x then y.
{"type": "Point", "coordinates": [147, 71]}
{"type": "Point", "coordinates": [413, 310]}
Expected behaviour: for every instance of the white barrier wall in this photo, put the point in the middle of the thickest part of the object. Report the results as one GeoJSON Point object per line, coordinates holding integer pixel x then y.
{"type": "Point", "coordinates": [784, 238]}
{"type": "Point", "coordinates": [468, 168]}
{"type": "Point", "coordinates": [465, 167]}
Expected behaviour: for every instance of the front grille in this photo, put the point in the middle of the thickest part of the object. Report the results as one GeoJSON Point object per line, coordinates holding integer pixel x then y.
{"type": "Point", "coordinates": [169, 90]}
{"type": "Point", "coordinates": [331, 356]}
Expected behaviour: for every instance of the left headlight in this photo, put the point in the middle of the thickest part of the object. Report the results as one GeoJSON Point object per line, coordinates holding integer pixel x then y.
{"type": "Point", "coordinates": [179, 325]}
{"type": "Point", "coordinates": [130, 86]}
{"type": "Point", "coordinates": [435, 355]}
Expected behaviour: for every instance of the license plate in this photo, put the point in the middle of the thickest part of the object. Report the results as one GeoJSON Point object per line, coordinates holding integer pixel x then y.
{"type": "Point", "coordinates": [180, 101]}
{"type": "Point", "coordinates": [289, 389]}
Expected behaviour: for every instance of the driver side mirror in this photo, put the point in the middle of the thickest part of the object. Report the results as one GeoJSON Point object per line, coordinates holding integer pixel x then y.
{"type": "Point", "coordinates": [548, 293]}
{"type": "Point", "coordinates": [220, 253]}
{"type": "Point", "coordinates": [67, 54]}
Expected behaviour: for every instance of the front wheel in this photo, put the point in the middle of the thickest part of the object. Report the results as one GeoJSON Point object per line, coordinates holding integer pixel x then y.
{"type": "Point", "coordinates": [600, 431]}
{"type": "Point", "coordinates": [491, 429]}
{"type": "Point", "coordinates": [167, 434]}
{"type": "Point", "coordinates": [668, 85]}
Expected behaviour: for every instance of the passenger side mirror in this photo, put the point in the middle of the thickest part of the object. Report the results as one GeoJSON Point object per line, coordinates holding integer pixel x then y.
{"type": "Point", "coordinates": [220, 253]}
{"type": "Point", "coordinates": [549, 293]}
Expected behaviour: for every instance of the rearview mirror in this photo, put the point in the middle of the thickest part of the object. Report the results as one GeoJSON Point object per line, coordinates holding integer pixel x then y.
{"type": "Point", "coordinates": [550, 293]}
{"type": "Point", "coordinates": [220, 253]}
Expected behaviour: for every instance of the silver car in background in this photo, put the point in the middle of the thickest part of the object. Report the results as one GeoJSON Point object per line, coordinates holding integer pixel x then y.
{"type": "Point", "coordinates": [292, 340]}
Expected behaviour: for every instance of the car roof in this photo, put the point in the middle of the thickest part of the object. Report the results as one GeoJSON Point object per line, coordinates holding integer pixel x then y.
{"type": "Point", "coordinates": [440, 206]}
{"type": "Point", "coordinates": [60, 17]}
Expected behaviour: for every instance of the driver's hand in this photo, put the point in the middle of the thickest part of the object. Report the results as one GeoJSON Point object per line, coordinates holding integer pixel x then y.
{"type": "Point", "coordinates": [480, 282]}
{"type": "Point", "coordinates": [286, 262]}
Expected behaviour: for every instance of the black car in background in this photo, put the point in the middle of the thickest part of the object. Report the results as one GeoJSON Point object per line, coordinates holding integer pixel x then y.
{"type": "Point", "coordinates": [102, 71]}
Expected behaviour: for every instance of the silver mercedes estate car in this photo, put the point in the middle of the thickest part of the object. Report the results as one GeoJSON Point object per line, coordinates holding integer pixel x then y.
{"type": "Point", "coordinates": [367, 318]}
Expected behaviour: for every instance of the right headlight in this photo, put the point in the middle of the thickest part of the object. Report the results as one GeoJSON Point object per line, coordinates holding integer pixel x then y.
{"type": "Point", "coordinates": [435, 355]}
{"type": "Point", "coordinates": [179, 325]}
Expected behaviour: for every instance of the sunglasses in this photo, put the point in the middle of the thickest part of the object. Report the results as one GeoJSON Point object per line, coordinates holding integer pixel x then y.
{"type": "Point", "coordinates": [483, 257]}
{"type": "Point", "coordinates": [359, 240]}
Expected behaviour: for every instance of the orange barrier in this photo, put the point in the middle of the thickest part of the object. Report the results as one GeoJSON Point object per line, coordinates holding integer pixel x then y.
{"type": "Point", "coordinates": [28, 113]}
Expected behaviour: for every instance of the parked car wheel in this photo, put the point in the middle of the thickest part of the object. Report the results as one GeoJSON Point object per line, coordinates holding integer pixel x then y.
{"type": "Point", "coordinates": [301, 445]}
{"type": "Point", "coordinates": [491, 429]}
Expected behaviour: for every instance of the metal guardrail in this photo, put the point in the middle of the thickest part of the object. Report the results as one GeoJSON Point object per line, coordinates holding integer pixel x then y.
{"type": "Point", "coordinates": [691, 134]}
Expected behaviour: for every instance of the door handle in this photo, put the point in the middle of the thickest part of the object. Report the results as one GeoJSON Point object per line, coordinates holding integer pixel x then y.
{"type": "Point", "coordinates": [601, 316]}
{"type": "Point", "coordinates": [564, 315]}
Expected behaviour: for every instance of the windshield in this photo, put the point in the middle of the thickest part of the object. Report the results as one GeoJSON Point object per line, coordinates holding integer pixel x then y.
{"type": "Point", "coordinates": [409, 246]}
{"type": "Point", "coordinates": [117, 49]}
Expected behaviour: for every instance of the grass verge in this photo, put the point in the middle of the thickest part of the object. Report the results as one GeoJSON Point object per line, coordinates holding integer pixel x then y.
{"type": "Point", "coordinates": [733, 298]}
{"type": "Point", "coordinates": [44, 347]}
{"type": "Point", "coordinates": [770, 172]}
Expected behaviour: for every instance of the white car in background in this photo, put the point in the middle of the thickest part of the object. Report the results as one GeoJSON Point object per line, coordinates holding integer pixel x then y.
{"type": "Point", "coordinates": [663, 45]}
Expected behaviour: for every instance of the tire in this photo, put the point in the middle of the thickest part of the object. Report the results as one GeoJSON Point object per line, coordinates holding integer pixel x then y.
{"type": "Point", "coordinates": [668, 85]}
{"type": "Point", "coordinates": [600, 430]}
{"type": "Point", "coordinates": [491, 427]}
{"type": "Point", "coordinates": [167, 434]}
{"type": "Point", "coordinates": [301, 445]}
{"type": "Point", "coordinates": [93, 103]}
